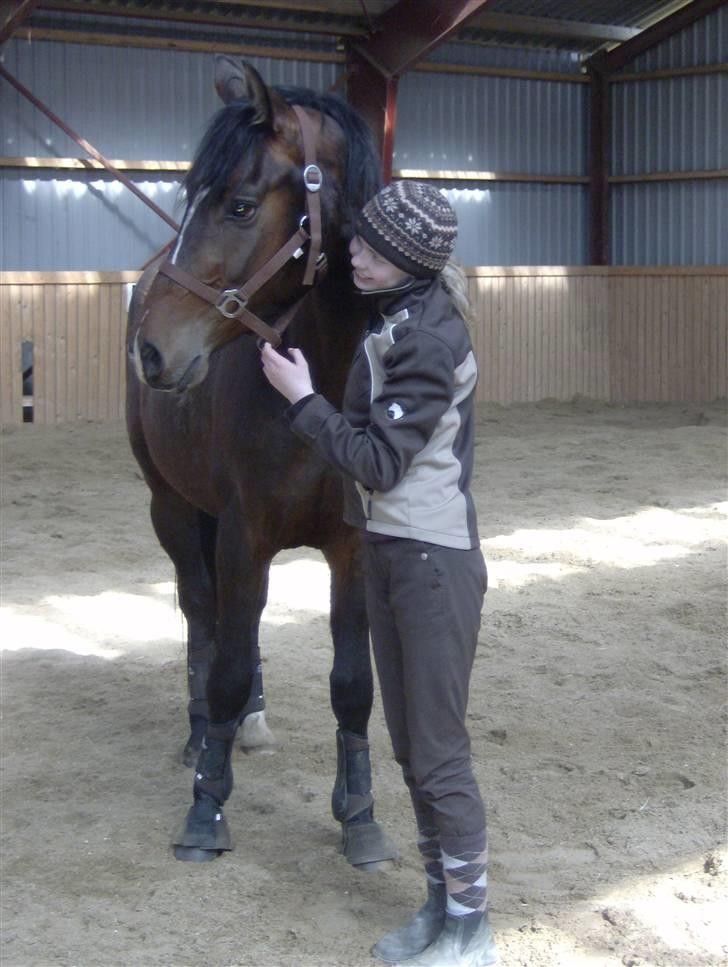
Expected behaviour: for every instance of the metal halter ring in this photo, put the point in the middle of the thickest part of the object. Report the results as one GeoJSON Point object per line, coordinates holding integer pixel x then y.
{"type": "Point", "coordinates": [313, 171]}
{"type": "Point", "coordinates": [228, 298]}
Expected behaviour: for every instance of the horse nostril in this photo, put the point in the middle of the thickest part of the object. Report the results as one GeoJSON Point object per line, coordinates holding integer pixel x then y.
{"type": "Point", "coordinates": [151, 361]}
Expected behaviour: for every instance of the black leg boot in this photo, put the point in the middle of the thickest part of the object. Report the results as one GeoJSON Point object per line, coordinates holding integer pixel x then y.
{"type": "Point", "coordinates": [198, 667]}
{"type": "Point", "coordinates": [364, 843]}
{"type": "Point", "coordinates": [419, 933]}
{"type": "Point", "coordinates": [463, 942]}
{"type": "Point", "coordinates": [205, 833]}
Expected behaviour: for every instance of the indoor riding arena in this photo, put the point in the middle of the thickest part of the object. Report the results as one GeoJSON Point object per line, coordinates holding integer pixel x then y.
{"type": "Point", "coordinates": [584, 147]}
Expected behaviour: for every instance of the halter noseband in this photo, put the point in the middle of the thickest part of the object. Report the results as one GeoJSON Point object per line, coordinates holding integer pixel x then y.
{"type": "Point", "coordinates": [232, 303]}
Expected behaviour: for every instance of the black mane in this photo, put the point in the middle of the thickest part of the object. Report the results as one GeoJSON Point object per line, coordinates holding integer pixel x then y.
{"type": "Point", "coordinates": [232, 136]}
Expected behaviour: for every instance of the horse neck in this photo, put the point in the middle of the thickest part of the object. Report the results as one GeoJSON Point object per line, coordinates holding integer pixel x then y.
{"type": "Point", "coordinates": [329, 332]}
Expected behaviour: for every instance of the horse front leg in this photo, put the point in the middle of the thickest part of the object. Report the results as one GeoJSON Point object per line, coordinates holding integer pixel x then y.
{"type": "Point", "coordinates": [242, 587]}
{"type": "Point", "coordinates": [364, 843]}
{"type": "Point", "coordinates": [188, 537]}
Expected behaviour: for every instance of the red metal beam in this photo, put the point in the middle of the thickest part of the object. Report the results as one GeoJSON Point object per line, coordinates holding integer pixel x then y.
{"type": "Point", "coordinates": [403, 35]}
{"type": "Point", "coordinates": [12, 14]}
{"type": "Point", "coordinates": [375, 98]}
{"type": "Point", "coordinates": [390, 129]}
{"type": "Point", "coordinates": [410, 29]}
{"type": "Point", "coordinates": [616, 59]}
{"type": "Point", "coordinates": [88, 148]}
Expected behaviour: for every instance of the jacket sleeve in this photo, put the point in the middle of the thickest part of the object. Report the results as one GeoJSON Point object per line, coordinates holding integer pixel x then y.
{"type": "Point", "coordinates": [417, 389]}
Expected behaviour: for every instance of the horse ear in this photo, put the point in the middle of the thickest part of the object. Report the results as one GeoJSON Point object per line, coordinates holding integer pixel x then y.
{"type": "Point", "coordinates": [236, 81]}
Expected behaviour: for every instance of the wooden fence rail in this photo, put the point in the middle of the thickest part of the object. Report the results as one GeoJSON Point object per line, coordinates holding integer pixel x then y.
{"type": "Point", "coordinates": [541, 332]}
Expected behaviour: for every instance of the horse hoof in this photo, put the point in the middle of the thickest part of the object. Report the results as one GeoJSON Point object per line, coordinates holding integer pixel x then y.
{"type": "Point", "coordinates": [254, 734]}
{"type": "Point", "coordinates": [204, 834]}
{"type": "Point", "coordinates": [368, 848]}
{"type": "Point", "coordinates": [190, 854]}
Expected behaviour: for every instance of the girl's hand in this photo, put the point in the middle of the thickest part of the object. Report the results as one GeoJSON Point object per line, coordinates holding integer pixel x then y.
{"type": "Point", "coordinates": [289, 376]}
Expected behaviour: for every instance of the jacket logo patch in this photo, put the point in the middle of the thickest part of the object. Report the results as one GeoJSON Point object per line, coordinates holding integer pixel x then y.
{"type": "Point", "coordinates": [395, 411]}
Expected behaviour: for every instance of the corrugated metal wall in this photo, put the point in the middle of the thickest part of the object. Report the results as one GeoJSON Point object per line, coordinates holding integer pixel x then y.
{"type": "Point", "coordinates": [502, 125]}
{"type": "Point", "coordinates": [672, 124]}
{"type": "Point", "coordinates": [520, 224]}
{"type": "Point", "coordinates": [80, 220]}
{"type": "Point", "coordinates": [130, 104]}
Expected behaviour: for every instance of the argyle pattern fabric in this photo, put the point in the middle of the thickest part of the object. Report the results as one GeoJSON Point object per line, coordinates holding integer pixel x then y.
{"type": "Point", "coordinates": [428, 843]}
{"type": "Point", "coordinates": [466, 881]}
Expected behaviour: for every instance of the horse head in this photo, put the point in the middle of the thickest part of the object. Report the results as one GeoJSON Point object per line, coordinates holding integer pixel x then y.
{"type": "Point", "coordinates": [248, 239]}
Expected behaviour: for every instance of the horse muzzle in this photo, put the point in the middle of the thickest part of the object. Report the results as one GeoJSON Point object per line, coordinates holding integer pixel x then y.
{"type": "Point", "coordinates": [151, 368]}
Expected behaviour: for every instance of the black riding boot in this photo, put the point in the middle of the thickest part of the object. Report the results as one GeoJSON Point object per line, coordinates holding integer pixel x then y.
{"type": "Point", "coordinates": [419, 933]}
{"type": "Point", "coordinates": [463, 942]}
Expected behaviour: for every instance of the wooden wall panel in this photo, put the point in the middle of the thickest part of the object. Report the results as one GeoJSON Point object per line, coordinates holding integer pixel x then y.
{"type": "Point", "coordinates": [76, 323]}
{"type": "Point", "coordinates": [11, 392]}
{"type": "Point", "coordinates": [666, 328]}
{"type": "Point", "coordinates": [621, 335]}
{"type": "Point", "coordinates": [541, 333]}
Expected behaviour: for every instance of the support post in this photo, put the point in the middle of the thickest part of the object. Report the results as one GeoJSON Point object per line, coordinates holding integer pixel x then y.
{"type": "Point", "coordinates": [374, 94]}
{"type": "Point", "coordinates": [399, 38]}
{"type": "Point", "coordinates": [599, 240]}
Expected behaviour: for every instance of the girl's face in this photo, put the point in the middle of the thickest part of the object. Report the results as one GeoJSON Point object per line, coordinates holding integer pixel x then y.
{"type": "Point", "coordinates": [371, 270]}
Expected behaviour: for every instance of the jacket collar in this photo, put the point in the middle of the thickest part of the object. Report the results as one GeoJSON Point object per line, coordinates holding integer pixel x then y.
{"type": "Point", "coordinates": [392, 303]}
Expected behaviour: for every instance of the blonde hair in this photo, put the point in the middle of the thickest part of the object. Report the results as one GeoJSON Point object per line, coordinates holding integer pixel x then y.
{"type": "Point", "coordinates": [455, 284]}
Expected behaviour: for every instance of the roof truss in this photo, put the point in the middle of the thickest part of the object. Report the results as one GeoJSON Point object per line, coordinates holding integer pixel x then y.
{"type": "Point", "coordinates": [13, 13]}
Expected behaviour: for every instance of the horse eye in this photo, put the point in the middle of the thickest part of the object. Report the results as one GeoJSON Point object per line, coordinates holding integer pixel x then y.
{"type": "Point", "coordinates": [243, 210]}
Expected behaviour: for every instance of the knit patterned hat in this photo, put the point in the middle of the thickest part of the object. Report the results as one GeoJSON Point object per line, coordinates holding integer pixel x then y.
{"type": "Point", "coordinates": [412, 225]}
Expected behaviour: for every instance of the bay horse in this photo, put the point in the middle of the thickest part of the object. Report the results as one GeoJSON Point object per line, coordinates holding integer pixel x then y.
{"type": "Point", "coordinates": [271, 197]}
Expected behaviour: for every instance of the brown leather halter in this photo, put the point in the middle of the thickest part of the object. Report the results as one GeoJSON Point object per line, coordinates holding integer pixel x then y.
{"type": "Point", "coordinates": [232, 303]}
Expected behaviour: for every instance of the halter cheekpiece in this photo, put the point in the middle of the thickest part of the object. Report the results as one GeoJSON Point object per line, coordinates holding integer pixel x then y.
{"type": "Point", "coordinates": [232, 303]}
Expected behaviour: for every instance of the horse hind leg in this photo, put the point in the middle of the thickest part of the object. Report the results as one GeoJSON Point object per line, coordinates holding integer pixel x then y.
{"type": "Point", "coordinates": [254, 734]}
{"type": "Point", "coordinates": [189, 537]}
{"type": "Point", "coordinates": [364, 843]}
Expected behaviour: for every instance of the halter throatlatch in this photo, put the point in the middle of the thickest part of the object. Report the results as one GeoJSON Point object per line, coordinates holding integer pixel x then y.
{"type": "Point", "coordinates": [232, 303]}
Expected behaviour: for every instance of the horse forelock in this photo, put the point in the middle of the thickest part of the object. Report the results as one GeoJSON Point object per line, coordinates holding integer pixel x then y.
{"type": "Point", "coordinates": [231, 140]}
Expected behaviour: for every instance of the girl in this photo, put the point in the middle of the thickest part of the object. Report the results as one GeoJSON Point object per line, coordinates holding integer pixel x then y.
{"type": "Point", "coordinates": [405, 436]}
